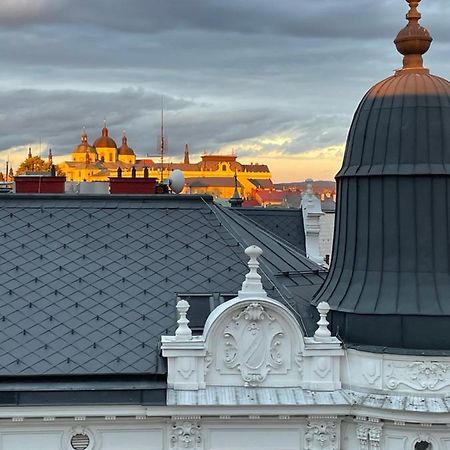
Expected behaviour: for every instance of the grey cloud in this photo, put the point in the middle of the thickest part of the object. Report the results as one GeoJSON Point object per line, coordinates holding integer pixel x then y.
{"type": "Point", "coordinates": [15, 13]}
{"type": "Point", "coordinates": [231, 71]}
{"type": "Point", "coordinates": [58, 116]}
{"type": "Point", "coordinates": [323, 18]}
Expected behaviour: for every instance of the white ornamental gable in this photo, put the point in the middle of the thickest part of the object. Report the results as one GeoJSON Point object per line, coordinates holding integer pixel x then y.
{"type": "Point", "coordinates": [252, 341]}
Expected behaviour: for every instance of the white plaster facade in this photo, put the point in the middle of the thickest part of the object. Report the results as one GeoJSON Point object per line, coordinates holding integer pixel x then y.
{"type": "Point", "coordinates": [326, 232]}
{"type": "Point", "coordinates": [312, 212]}
{"type": "Point", "coordinates": [253, 381]}
{"type": "Point", "coordinates": [319, 227]}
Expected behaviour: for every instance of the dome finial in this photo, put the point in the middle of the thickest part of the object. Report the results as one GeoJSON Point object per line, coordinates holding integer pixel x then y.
{"type": "Point", "coordinates": [105, 129]}
{"type": "Point", "coordinates": [414, 40]}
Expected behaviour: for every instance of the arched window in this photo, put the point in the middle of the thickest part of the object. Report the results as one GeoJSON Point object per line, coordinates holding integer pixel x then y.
{"type": "Point", "coordinates": [224, 167]}
{"type": "Point", "coordinates": [111, 157]}
{"type": "Point", "coordinates": [422, 445]}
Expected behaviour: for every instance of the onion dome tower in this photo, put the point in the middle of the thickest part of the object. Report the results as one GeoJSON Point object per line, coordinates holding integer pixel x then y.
{"type": "Point", "coordinates": [106, 147]}
{"type": "Point", "coordinates": [126, 154]}
{"type": "Point", "coordinates": [84, 152]}
{"type": "Point", "coordinates": [389, 281]}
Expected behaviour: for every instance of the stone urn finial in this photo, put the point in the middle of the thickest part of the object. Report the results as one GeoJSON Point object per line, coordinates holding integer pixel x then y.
{"type": "Point", "coordinates": [183, 332]}
{"type": "Point", "coordinates": [323, 333]}
{"type": "Point", "coordinates": [252, 285]}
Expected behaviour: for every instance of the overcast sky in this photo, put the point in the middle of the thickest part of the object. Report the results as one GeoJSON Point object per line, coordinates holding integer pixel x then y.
{"type": "Point", "coordinates": [277, 81]}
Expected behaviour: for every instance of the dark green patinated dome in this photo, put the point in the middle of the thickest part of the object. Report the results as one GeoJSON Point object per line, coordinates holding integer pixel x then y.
{"type": "Point", "coordinates": [389, 282]}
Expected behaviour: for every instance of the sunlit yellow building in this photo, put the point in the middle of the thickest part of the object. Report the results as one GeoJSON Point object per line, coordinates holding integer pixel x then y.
{"type": "Point", "coordinates": [214, 174]}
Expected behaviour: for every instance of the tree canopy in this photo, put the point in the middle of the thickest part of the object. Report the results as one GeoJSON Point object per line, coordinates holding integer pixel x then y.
{"type": "Point", "coordinates": [36, 164]}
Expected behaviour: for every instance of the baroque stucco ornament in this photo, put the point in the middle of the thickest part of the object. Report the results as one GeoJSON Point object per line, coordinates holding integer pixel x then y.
{"type": "Point", "coordinates": [419, 375]}
{"type": "Point", "coordinates": [369, 434]}
{"type": "Point", "coordinates": [254, 344]}
{"type": "Point", "coordinates": [321, 435]}
{"type": "Point", "coordinates": [186, 434]}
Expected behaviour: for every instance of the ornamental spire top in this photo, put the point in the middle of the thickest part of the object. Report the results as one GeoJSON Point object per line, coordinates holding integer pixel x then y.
{"type": "Point", "coordinates": [413, 41]}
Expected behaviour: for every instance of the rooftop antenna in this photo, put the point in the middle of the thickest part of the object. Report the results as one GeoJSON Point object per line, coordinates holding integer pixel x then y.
{"type": "Point", "coordinates": [162, 140]}
{"type": "Point", "coordinates": [7, 169]}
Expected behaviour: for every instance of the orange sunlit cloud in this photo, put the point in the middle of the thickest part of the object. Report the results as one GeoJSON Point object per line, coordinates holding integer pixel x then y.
{"type": "Point", "coordinates": [318, 164]}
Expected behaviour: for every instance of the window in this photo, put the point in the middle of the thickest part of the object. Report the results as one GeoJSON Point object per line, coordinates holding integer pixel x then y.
{"type": "Point", "coordinates": [224, 167]}
{"type": "Point", "coordinates": [422, 445]}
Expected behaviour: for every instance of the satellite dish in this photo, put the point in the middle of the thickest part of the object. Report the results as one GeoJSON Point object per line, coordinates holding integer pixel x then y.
{"type": "Point", "coordinates": [176, 181]}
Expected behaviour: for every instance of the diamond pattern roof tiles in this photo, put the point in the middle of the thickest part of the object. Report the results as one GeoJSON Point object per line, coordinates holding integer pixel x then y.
{"type": "Point", "coordinates": [286, 223]}
{"type": "Point", "coordinates": [89, 284]}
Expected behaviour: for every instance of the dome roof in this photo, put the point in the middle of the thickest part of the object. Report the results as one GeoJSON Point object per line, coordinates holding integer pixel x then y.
{"type": "Point", "coordinates": [124, 149]}
{"type": "Point", "coordinates": [389, 278]}
{"type": "Point", "coordinates": [84, 146]}
{"type": "Point", "coordinates": [402, 126]}
{"type": "Point", "coordinates": [104, 141]}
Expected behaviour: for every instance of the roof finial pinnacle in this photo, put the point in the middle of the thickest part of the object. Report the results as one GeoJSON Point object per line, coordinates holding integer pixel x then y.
{"type": "Point", "coordinates": [413, 41]}
{"type": "Point", "coordinates": [183, 332]}
{"type": "Point", "coordinates": [236, 200]}
{"type": "Point", "coordinates": [252, 286]}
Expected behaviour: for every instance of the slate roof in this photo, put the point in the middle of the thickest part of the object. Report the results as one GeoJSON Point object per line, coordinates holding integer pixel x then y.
{"type": "Point", "coordinates": [88, 284]}
{"type": "Point", "coordinates": [286, 223]}
{"type": "Point", "coordinates": [262, 183]}
{"type": "Point", "coordinates": [256, 167]}
{"type": "Point", "coordinates": [328, 205]}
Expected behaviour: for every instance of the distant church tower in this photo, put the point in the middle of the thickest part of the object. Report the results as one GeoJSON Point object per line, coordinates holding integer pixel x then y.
{"type": "Point", "coordinates": [186, 154]}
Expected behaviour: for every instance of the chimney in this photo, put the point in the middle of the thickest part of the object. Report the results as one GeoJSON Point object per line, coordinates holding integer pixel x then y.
{"type": "Point", "coordinates": [132, 185]}
{"type": "Point", "coordinates": [40, 184]}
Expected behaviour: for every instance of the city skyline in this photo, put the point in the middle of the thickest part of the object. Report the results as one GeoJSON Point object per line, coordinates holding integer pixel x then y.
{"type": "Point", "coordinates": [269, 82]}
